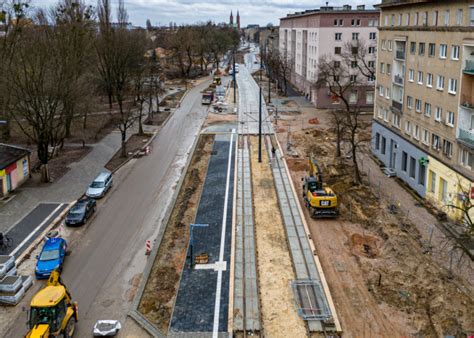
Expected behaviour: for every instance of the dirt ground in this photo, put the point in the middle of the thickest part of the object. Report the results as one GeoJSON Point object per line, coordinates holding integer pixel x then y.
{"type": "Point", "coordinates": [382, 283]}
{"type": "Point", "coordinates": [158, 118]}
{"type": "Point", "coordinates": [274, 265]}
{"type": "Point", "coordinates": [160, 291]}
{"type": "Point", "coordinates": [134, 143]}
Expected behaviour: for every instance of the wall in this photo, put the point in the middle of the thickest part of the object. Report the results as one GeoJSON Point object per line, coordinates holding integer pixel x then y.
{"type": "Point", "coordinates": [402, 146]}
{"type": "Point", "coordinates": [17, 176]}
{"type": "Point", "coordinates": [455, 185]}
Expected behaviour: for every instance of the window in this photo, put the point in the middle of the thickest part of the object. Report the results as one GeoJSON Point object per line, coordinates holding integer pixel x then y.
{"type": "Point", "coordinates": [443, 51]}
{"type": "Point", "coordinates": [418, 106]}
{"type": "Point", "coordinates": [369, 97]}
{"type": "Point", "coordinates": [371, 64]}
{"type": "Point", "coordinates": [421, 174]}
{"type": "Point", "coordinates": [353, 96]}
{"type": "Point", "coordinates": [372, 23]}
{"type": "Point", "coordinates": [431, 50]}
{"type": "Point", "coordinates": [385, 115]}
{"type": "Point", "coordinates": [335, 22]}
{"type": "Point", "coordinates": [435, 142]}
{"type": "Point", "coordinates": [450, 119]}
{"type": "Point", "coordinates": [412, 167]}
{"type": "Point", "coordinates": [412, 47]}
{"type": "Point", "coordinates": [385, 20]}
{"type": "Point", "coordinates": [427, 109]}
{"type": "Point", "coordinates": [466, 158]}
{"type": "Point", "coordinates": [420, 77]}
{"type": "Point", "coordinates": [372, 50]}
{"type": "Point", "coordinates": [372, 36]}
{"type": "Point", "coordinates": [452, 86]}
{"type": "Point", "coordinates": [384, 143]}
{"type": "Point", "coordinates": [416, 133]}
{"type": "Point", "coordinates": [341, 22]}
{"type": "Point", "coordinates": [471, 15]}
{"type": "Point", "coordinates": [407, 127]}
{"type": "Point", "coordinates": [399, 22]}
{"type": "Point", "coordinates": [426, 137]}
{"type": "Point", "coordinates": [355, 50]}
{"type": "Point", "coordinates": [459, 17]}
{"type": "Point", "coordinates": [435, 18]}
{"type": "Point", "coordinates": [429, 80]}
{"type": "Point", "coordinates": [355, 22]}
{"type": "Point", "coordinates": [438, 113]}
{"type": "Point", "coordinates": [379, 113]}
{"type": "Point", "coordinates": [404, 161]}
{"type": "Point", "coordinates": [443, 190]}
{"type": "Point", "coordinates": [440, 82]}
{"type": "Point", "coordinates": [421, 48]}
{"type": "Point", "coordinates": [389, 68]}
{"type": "Point", "coordinates": [355, 36]}
{"type": "Point", "coordinates": [377, 141]}
{"type": "Point", "coordinates": [409, 102]}
{"type": "Point", "coordinates": [396, 120]}
{"type": "Point", "coordinates": [447, 148]}
{"type": "Point", "coordinates": [381, 90]}
{"type": "Point", "coordinates": [353, 78]}
{"type": "Point", "coordinates": [424, 19]}
{"type": "Point", "coordinates": [455, 52]}
{"type": "Point", "coordinates": [387, 93]}
{"type": "Point", "coordinates": [432, 181]}
{"type": "Point", "coordinates": [392, 21]}
{"type": "Point", "coordinates": [389, 44]}
{"type": "Point", "coordinates": [338, 36]}
{"type": "Point", "coordinates": [411, 75]}
{"type": "Point", "coordinates": [337, 64]}
{"type": "Point", "coordinates": [383, 44]}
{"type": "Point", "coordinates": [407, 19]}
{"type": "Point", "coordinates": [446, 17]}
{"type": "Point", "coordinates": [353, 64]}
{"type": "Point", "coordinates": [416, 19]}
{"type": "Point", "coordinates": [337, 50]}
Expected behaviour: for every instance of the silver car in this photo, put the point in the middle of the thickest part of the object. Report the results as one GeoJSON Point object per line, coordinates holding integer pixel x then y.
{"type": "Point", "coordinates": [101, 184]}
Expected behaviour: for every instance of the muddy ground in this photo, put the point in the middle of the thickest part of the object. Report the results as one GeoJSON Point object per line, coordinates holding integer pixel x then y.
{"type": "Point", "coordinates": [381, 279]}
{"type": "Point", "coordinates": [159, 295]}
{"type": "Point", "coordinates": [135, 143]}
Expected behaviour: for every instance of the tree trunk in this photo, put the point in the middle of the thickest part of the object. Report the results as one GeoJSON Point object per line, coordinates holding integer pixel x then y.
{"type": "Point", "coordinates": [140, 115]}
{"type": "Point", "coordinates": [338, 142]}
{"type": "Point", "coordinates": [110, 101]}
{"type": "Point", "coordinates": [124, 143]}
{"type": "Point", "coordinates": [42, 151]}
{"type": "Point", "coordinates": [357, 179]}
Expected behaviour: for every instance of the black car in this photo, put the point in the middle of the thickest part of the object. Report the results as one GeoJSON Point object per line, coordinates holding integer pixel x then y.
{"type": "Point", "coordinates": [82, 210]}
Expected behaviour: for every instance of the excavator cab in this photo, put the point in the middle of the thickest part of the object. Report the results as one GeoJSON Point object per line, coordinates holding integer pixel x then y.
{"type": "Point", "coordinates": [52, 311]}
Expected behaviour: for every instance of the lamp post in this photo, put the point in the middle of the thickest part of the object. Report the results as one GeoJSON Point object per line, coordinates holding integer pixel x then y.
{"type": "Point", "coordinates": [233, 72]}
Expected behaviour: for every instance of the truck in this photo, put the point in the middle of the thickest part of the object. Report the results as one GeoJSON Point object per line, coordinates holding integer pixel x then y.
{"type": "Point", "coordinates": [318, 197]}
{"type": "Point", "coordinates": [52, 312]}
{"type": "Point", "coordinates": [207, 97]}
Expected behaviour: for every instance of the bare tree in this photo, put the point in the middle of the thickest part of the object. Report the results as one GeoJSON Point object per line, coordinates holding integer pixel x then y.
{"type": "Point", "coordinates": [466, 208]}
{"type": "Point", "coordinates": [342, 76]}
{"type": "Point", "coordinates": [338, 123]}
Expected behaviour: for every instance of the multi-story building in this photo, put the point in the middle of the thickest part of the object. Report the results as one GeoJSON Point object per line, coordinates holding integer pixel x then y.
{"type": "Point", "coordinates": [307, 36]}
{"type": "Point", "coordinates": [423, 123]}
{"type": "Point", "coordinates": [269, 39]}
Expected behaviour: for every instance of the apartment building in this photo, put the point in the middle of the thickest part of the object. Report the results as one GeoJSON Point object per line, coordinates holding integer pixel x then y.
{"type": "Point", "coordinates": [307, 36]}
{"type": "Point", "coordinates": [423, 123]}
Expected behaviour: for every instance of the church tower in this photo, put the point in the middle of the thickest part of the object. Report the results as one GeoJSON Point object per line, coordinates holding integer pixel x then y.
{"type": "Point", "coordinates": [231, 20]}
{"type": "Point", "coordinates": [238, 20]}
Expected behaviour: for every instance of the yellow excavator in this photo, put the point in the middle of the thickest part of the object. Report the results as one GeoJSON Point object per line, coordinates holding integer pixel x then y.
{"type": "Point", "coordinates": [52, 312]}
{"type": "Point", "coordinates": [318, 197]}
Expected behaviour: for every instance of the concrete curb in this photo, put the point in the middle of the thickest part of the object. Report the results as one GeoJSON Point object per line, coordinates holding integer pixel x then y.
{"type": "Point", "coordinates": [24, 255]}
{"type": "Point", "coordinates": [134, 313]}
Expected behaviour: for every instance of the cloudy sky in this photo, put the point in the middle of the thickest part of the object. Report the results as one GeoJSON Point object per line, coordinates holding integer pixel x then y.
{"type": "Point", "coordinates": [261, 12]}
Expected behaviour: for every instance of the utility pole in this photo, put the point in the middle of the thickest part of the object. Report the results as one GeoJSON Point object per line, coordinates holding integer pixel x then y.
{"type": "Point", "coordinates": [260, 115]}
{"type": "Point", "coordinates": [233, 72]}
{"type": "Point", "coordinates": [268, 73]}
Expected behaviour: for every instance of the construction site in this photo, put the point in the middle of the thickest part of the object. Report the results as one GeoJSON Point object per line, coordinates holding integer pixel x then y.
{"type": "Point", "coordinates": [271, 237]}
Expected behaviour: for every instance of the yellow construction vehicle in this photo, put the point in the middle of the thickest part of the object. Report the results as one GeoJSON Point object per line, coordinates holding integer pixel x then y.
{"type": "Point", "coordinates": [217, 81]}
{"type": "Point", "coordinates": [318, 197]}
{"type": "Point", "coordinates": [52, 312]}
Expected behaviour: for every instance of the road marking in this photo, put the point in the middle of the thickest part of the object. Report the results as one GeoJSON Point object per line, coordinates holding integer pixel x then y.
{"type": "Point", "coordinates": [36, 230]}
{"type": "Point", "coordinates": [221, 252]}
{"type": "Point", "coordinates": [217, 266]}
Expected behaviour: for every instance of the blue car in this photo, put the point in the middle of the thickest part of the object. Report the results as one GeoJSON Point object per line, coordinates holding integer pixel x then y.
{"type": "Point", "coordinates": [51, 257]}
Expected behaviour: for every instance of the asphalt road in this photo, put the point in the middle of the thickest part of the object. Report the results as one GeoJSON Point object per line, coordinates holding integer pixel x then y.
{"type": "Point", "coordinates": [105, 266]}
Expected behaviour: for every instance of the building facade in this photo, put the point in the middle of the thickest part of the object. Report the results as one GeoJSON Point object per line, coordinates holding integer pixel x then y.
{"type": "Point", "coordinates": [307, 36]}
{"type": "Point", "coordinates": [424, 106]}
{"type": "Point", "coordinates": [14, 168]}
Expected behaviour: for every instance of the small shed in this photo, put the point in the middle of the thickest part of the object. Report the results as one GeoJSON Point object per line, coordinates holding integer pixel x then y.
{"type": "Point", "coordinates": [14, 167]}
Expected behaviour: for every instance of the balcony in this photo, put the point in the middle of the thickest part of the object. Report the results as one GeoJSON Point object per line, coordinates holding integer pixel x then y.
{"type": "Point", "coordinates": [397, 106]}
{"type": "Point", "coordinates": [398, 80]}
{"type": "Point", "coordinates": [469, 68]}
{"type": "Point", "coordinates": [400, 55]}
{"type": "Point", "coordinates": [467, 137]}
{"type": "Point", "coordinates": [467, 102]}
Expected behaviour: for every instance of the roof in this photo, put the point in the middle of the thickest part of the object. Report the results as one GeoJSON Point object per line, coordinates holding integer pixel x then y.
{"type": "Point", "coordinates": [331, 10]}
{"type": "Point", "coordinates": [102, 176]}
{"type": "Point", "coordinates": [10, 154]}
{"type": "Point", "coordinates": [390, 3]}
{"type": "Point", "coordinates": [53, 243]}
{"type": "Point", "coordinates": [49, 296]}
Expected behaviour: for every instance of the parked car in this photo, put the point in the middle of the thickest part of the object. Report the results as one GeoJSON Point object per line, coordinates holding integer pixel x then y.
{"type": "Point", "coordinates": [81, 211]}
{"type": "Point", "coordinates": [51, 257]}
{"type": "Point", "coordinates": [101, 184]}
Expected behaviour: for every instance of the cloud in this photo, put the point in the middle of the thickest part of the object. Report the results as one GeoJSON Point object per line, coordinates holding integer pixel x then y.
{"type": "Point", "coordinates": [189, 11]}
